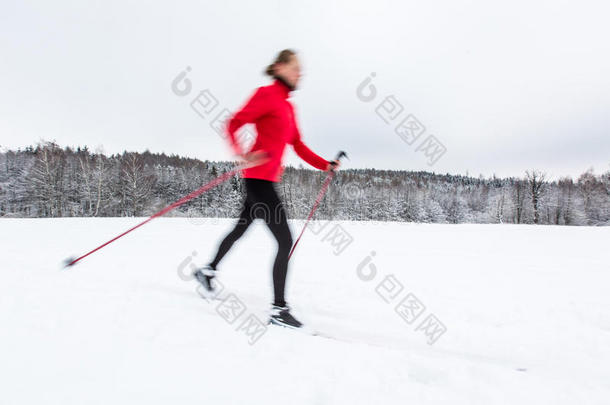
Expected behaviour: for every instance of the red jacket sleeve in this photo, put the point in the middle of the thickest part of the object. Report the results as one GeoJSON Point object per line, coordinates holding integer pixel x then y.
{"type": "Point", "coordinates": [254, 108]}
{"type": "Point", "coordinates": [305, 153]}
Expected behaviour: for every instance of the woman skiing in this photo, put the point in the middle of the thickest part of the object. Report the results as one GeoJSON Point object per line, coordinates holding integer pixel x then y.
{"type": "Point", "coordinates": [274, 118]}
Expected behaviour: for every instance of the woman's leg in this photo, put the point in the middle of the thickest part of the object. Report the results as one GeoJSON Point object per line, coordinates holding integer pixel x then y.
{"type": "Point", "coordinates": [262, 201]}
{"type": "Point", "coordinates": [244, 221]}
{"type": "Point", "coordinates": [274, 215]}
{"type": "Point", "coordinates": [281, 231]}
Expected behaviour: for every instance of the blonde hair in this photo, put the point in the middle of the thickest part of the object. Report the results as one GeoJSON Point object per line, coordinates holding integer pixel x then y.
{"type": "Point", "coordinates": [282, 57]}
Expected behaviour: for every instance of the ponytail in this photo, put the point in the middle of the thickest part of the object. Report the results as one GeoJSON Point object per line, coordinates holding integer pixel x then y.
{"type": "Point", "coordinates": [282, 57]}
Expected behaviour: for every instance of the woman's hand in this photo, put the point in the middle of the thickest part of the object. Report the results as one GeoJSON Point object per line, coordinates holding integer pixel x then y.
{"type": "Point", "coordinates": [333, 165]}
{"type": "Point", "coordinates": [254, 158]}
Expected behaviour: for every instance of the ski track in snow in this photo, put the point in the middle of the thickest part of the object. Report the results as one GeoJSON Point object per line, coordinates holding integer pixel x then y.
{"type": "Point", "coordinates": [525, 310]}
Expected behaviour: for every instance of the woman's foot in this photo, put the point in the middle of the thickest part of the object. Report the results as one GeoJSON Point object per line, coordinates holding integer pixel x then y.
{"type": "Point", "coordinates": [280, 315]}
{"type": "Point", "coordinates": [205, 275]}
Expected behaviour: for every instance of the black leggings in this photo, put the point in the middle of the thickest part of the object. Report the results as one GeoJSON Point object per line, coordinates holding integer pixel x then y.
{"type": "Point", "coordinates": [262, 201]}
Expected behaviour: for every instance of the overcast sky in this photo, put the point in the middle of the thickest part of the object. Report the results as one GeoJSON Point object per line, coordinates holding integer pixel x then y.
{"type": "Point", "coordinates": [504, 86]}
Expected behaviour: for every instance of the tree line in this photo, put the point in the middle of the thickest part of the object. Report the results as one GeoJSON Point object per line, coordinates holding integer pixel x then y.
{"type": "Point", "coordinates": [47, 180]}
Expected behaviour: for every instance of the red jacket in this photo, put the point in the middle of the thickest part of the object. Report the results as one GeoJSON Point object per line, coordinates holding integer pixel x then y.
{"type": "Point", "coordinates": [276, 126]}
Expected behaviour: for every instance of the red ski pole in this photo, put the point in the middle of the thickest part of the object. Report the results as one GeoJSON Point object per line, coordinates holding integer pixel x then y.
{"type": "Point", "coordinates": [220, 179]}
{"type": "Point", "coordinates": [329, 177]}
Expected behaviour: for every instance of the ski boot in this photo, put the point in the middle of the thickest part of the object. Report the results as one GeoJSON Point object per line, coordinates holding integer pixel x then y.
{"type": "Point", "coordinates": [281, 316]}
{"type": "Point", "coordinates": [205, 275]}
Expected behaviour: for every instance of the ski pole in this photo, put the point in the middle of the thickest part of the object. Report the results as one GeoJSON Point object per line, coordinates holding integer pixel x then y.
{"type": "Point", "coordinates": [220, 179]}
{"type": "Point", "coordinates": [329, 177]}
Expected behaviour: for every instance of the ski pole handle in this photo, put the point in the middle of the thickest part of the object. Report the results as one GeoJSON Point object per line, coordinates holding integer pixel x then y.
{"type": "Point", "coordinates": [329, 177]}
{"type": "Point", "coordinates": [340, 154]}
{"type": "Point", "coordinates": [256, 158]}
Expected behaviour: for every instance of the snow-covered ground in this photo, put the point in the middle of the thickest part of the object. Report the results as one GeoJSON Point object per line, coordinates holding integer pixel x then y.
{"type": "Point", "coordinates": [475, 314]}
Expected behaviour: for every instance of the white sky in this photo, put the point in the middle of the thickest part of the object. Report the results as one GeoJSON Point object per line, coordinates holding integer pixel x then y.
{"type": "Point", "coordinates": [505, 86]}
